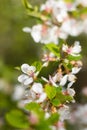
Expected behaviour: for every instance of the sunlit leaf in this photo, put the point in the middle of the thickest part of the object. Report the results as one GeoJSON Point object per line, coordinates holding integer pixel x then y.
{"type": "Point", "coordinates": [50, 91]}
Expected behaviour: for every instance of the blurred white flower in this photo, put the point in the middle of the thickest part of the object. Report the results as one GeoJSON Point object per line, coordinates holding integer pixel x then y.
{"type": "Point", "coordinates": [64, 112]}
{"type": "Point", "coordinates": [18, 93]}
{"type": "Point", "coordinates": [46, 34]}
{"type": "Point", "coordinates": [29, 74]}
{"type": "Point", "coordinates": [72, 27]}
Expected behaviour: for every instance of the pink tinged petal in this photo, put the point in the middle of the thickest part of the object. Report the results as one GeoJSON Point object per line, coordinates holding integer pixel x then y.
{"type": "Point", "coordinates": [52, 82]}
{"type": "Point", "coordinates": [26, 29]}
{"type": "Point", "coordinates": [42, 98]}
{"type": "Point", "coordinates": [75, 70]}
{"type": "Point", "coordinates": [37, 88]}
{"type": "Point", "coordinates": [28, 81]}
{"type": "Point", "coordinates": [25, 68]}
{"type": "Point", "coordinates": [71, 92]}
{"type": "Point", "coordinates": [63, 80]}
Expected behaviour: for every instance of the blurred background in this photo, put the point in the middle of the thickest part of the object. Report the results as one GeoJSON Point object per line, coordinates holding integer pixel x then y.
{"type": "Point", "coordinates": [17, 47]}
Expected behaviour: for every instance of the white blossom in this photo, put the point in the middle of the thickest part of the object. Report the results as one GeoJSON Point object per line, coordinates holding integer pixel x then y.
{"type": "Point", "coordinates": [73, 50]}
{"type": "Point", "coordinates": [37, 88]}
{"type": "Point", "coordinates": [29, 74]}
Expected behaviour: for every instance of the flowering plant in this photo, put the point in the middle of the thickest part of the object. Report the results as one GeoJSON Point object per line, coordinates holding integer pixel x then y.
{"type": "Point", "coordinates": [46, 86]}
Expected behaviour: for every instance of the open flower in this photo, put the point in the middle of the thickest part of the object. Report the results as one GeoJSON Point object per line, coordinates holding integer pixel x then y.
{"type": "Point", "coordinates": [37, 88]}
{"type": "Point", "coordinates": [68, 77]}
{"type": "Point", "coordinates": [29, 74]}
{"type": "Point", "coordinates": [46, 34]}
{"type": "Point", "coordinates": [73, 50]}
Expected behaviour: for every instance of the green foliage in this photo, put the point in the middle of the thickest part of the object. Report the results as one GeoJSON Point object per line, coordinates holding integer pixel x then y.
{"type": "Point", "coordinates": [38, 65]}
{"type": "Point", "coordinates": [53, 118]}
{"type": "Point", "coordinates": [27, 5]}
{"type": "Point", "coordinates": [33, 107]}
{"type": "Point", "coordinates": [17, 119]}
{"type": "Point", "coordinates": [50, 91]}
{"type": "Point", "coordinates": [61, 98]}
{"type": "Point", "coordinates": [54, 49]}
{"type": "Point", "coordinates": [70, 57]}
{"type": "Point", "coordinates": [49, 70]}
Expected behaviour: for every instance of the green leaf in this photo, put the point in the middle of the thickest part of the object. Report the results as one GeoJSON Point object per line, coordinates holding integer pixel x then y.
{"type": "Point", "coordinates": [53, 118]}
{"type": "Point", "coordinates": [17, 119]}
{"type": "Point", "coordinates": [56, 102]}
{"type": "Point", "coordinates": [63, 98]}
{"type": "Point", "coordinates": [38, 65]}
{"type": "Point", "coordinates": [33, 107]}
{"type": "Point", "coordinates": [27, 5]}
{"type": "Point", "coordinates": [50, 91]}
{"type": "Point", "coordinates": [54, 49]}
{"type": "Point", "coordinates": [49, 70]}
{"type": "Point", "coordinates": [70, 57]}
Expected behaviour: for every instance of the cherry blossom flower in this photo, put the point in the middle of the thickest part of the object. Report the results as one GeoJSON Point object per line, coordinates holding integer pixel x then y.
{"type": "Point", "coordinates": [46, 34]}
{"type": "Point", "coordinates": [68, 77]}
{"type": "Point", "coordinates": [47, 58]}
{"type": "Point", "coordinates": [72, 27]}
{"type": "Point", "coordinates": [29, 74]}
{"type": "Point", "coordinates": [37, 88]}
{"type": "Point", "coordinates": [73, 50]}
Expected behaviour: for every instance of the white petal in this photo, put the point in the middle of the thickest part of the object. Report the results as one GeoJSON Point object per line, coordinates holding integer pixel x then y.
{"type": "Point", "coordinates": [25, 68]}
{"type": "Point", "coordinates": [42, 98]}
{"type": "Point", "coordinates": [28, 81]}
{"type": "Point", "coordinates": [76, 48]}
{"type": "Point", "coordinates": [27, 29]}
{"type": "Point", "coordinates": [64, 48]}
{"type": "Point", "coordinates": [32, 68]}
{"type": "Point", "coordinates": [75, 70]}
{"type": "Point", "coordinates": [63, 80]}
{"type": "Point", "coordinates": [45, 79]}
{"type": "Point", "coordinates": [22, 78]}
{"type": "Point", "coordinates": [70, 84]}
{"type": "Point", "coordinates": [36, 33]}
{"type": "Point", "coordinates": [71, 77]}
{"type": "Point", "coordinates": [71, 92]}
{"type": "Point", "coordinates": [37, 88]}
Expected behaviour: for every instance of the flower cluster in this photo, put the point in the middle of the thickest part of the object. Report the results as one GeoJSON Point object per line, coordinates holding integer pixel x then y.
{"type": "Point", "coordinates": [49, 83]}
{"type": "Point", "coordinates": [60, 19]}
{"type": "Point", "coordinates": [76, 117]}
{"type": "Point", "coordinates": [54, 91]}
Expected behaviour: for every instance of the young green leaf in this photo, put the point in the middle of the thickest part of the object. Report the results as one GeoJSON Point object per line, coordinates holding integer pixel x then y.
{"type": "Point", "coordinates": [38, 65]}
{"type": "Point", "coordinates": [70, 57]}
{"type": "Point", "coordinates": [17, 119]}
{"type": "Point", "coordinates": [53, 118]}
{"type": "Point", "coordinates": [54, 49]}
{"type": "Point", "coordinates": [50, 91]}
